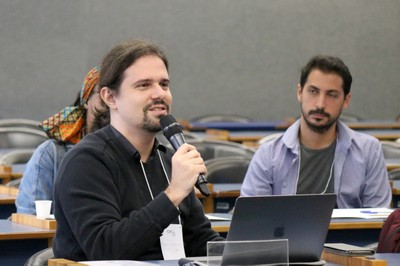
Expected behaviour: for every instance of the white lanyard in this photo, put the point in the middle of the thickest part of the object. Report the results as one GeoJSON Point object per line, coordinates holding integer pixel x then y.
{"type": "Point", "coordinates": [171, 239]}
{"type": "Point", "coordinates": [165, 174]}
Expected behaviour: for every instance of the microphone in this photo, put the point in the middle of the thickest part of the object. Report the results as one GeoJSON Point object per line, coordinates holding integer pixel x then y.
{"type": "Point", "coordinates": [173, 132]}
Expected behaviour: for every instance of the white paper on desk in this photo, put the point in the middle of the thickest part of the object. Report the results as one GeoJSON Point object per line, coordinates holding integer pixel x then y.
{"type": "Point", "coordinates": [363, 213]}
{"type": "Point", "coordinates": [116, 263]}
{"type": "Point", "coordinates": [217, 218]}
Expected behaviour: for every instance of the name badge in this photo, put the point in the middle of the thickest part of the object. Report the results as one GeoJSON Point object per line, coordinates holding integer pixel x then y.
{"type": "Point", "coordinates": [172, 242]}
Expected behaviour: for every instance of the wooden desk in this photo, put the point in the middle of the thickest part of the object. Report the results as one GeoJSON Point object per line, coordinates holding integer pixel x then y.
{"type": "Point", "coordinates": [6, 174]}
{"type": "Point", "coordinates": [229, 191]}
{"type": "Point", "coordinates": [352, 260]}
{"type": "Point", "coordinates": [374, 125]}
{"type": "Point", "coordinates": [283, 125]}
{"type": "Point", "coordinates": [359, 232]}
{"type": "Point", "coordinates": [336, 224]}
{"type": "Point", "coordinates": [18, 242]}
{"type": "Point", "coordinates": [251, 138]}
{"type": "Point", "coordinates": [238, 126]}
{"type": "Point", "coordinates": [232, 191]}
{"type": "Point", "coordinates": [7, 177]}
{"type": "Point", "coordinates": [391, 134]}
{"type": "Point", "coordinates": [392, 164]}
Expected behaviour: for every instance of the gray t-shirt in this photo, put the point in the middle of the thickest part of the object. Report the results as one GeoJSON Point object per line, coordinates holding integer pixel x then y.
{"type": "Point", "coordinates": [316, 170]}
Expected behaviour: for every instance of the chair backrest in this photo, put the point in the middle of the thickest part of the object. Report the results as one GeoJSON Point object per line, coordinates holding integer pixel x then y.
{"type": "Point", "coordinates": [14, 183]}
{"type": "Point", "coordinates": [20, 137]}
{"type": "Point", "coordinates": [394, 174]}
{"type": "Point", "coordinates": [210, 149]}
{"type": "Point", "coordinates": [220, 118]}
{"type": "Point", "coordinates": [17, 156]}
{"type": "Point", "coordinates": [231, 169]}
{"type": "Point", "coordinates": [347, 117]}
{"type": "Point", "coordinates": [190, 136]}
{"type": "Point", "coordinates": [40, 258]}
{"type": "Point", "coordinates": [20, 122]}
{"type": "Point", "coordinates": [391, 149]}
{"type": "Point", "coordinates": [163, 140]}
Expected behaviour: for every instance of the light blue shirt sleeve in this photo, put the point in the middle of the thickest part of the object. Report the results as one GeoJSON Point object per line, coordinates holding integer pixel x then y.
{"type": "Point", "coordinates": [38, 178]}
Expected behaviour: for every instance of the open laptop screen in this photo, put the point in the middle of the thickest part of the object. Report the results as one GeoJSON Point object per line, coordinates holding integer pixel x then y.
{"type": "Point", "coordinates": [302, 219]}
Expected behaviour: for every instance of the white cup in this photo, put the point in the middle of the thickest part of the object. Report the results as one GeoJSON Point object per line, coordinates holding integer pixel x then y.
{"type": "Point", "coordinates": [43, 208]}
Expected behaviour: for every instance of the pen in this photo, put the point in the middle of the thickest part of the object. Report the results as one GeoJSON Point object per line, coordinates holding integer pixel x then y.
{"type": "Point", "coordinates": [369, 212]}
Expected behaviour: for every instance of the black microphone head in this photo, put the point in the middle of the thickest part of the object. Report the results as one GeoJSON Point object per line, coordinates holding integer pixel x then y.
{"type": "Point", "coordinates": [169, 126]}
{"type": "Point", "coordinates": [166, 121]}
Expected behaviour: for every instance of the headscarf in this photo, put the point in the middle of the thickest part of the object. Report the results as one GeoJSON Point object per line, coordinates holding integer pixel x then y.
{"type": "Point", "coordinates": [67, 125]}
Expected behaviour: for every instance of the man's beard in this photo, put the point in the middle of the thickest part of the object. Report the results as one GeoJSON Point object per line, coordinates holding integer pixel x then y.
{"type": "Point", "coordinates": [320, 128]}
{"type": "Point", "coordinates": [148, 124]}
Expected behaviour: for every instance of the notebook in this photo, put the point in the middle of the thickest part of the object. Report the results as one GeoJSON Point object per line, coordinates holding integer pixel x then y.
{"type": "Point", "coordinates": [302, 219]}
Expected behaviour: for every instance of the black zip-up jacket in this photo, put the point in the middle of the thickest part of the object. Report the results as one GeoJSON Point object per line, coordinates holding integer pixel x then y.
{"type": "Point", "coordinates": [104, 209]}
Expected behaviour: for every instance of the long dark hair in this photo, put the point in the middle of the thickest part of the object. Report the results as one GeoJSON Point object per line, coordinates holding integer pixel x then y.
{"type": "Point", "coordinates": [114, 64]}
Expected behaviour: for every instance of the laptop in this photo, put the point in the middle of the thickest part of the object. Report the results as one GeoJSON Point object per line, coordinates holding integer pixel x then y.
{"type": "Point", "coordinates": [302, 219]}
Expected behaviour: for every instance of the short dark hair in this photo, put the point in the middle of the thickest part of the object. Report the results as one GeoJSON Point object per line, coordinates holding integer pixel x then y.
{"type": "Point", "coordinates": [328, 64]}
{"type": "Point", "coordinates": [113, 67]}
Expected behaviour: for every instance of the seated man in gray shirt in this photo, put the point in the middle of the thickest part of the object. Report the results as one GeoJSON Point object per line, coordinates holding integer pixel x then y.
{"type": "Point", "coordinates": [318, 153]}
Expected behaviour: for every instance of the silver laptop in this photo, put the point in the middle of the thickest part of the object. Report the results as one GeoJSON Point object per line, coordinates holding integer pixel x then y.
{"type": "Point", "coordinates": [302, 219]}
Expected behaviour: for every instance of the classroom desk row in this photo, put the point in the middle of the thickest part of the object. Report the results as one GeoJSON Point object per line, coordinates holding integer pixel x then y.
{"type": "Point", "coordinates": [6, 176]}
{"type": "Point", "coordinates": [280, 125]}
{"type": "Point", "coordinates": [251, 138]}
{"type": "Point", "coordinates": [18, 241]}
{"type": "Point", "coordinates": [223, 196]}
{"type": "Point", "coordinates": [10, 174]}
{"type": "Point", "coordinates": [358, 232]}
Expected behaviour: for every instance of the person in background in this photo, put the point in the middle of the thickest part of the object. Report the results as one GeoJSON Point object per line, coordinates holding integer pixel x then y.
{"type": "Point", "coordinates": [318, 153]}
{"type": "Point", "coordinates": [119, 193]}
{"type": "Point", "coordinates": [64, 129]}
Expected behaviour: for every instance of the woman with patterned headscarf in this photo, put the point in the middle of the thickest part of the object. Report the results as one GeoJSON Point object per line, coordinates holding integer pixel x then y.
{"type": "Point", "coordinates": [64, 129]}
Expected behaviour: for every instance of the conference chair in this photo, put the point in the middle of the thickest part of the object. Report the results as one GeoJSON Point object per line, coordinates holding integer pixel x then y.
{"type": "Point", "coordinates": [223, 173]}
{"type": "Point", "coordinates": [40, 258]}
{"type": "Point", "coordinates": [348, 118]}
{"type": "Point", "coordinates": [220, 118]}
{"type": "Point", "coordinates": [394, 174]}
{"type": "Point", "coordinates": [186, 134]}
{"type": "Point", "coordinates": [210, 149]}
{"type": "Point", "coordinates": [21, 137]}
{"type": "Point", "coordinates": [190, 136]}
{"type": "Point", "coordinates": [16, 156]}
{"type": "Point", "coordinates": [20, 122]}
{"type": "Point", "coordinates": [391, 149]}
{"type": "Point", "coordinates": [230, 169]}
